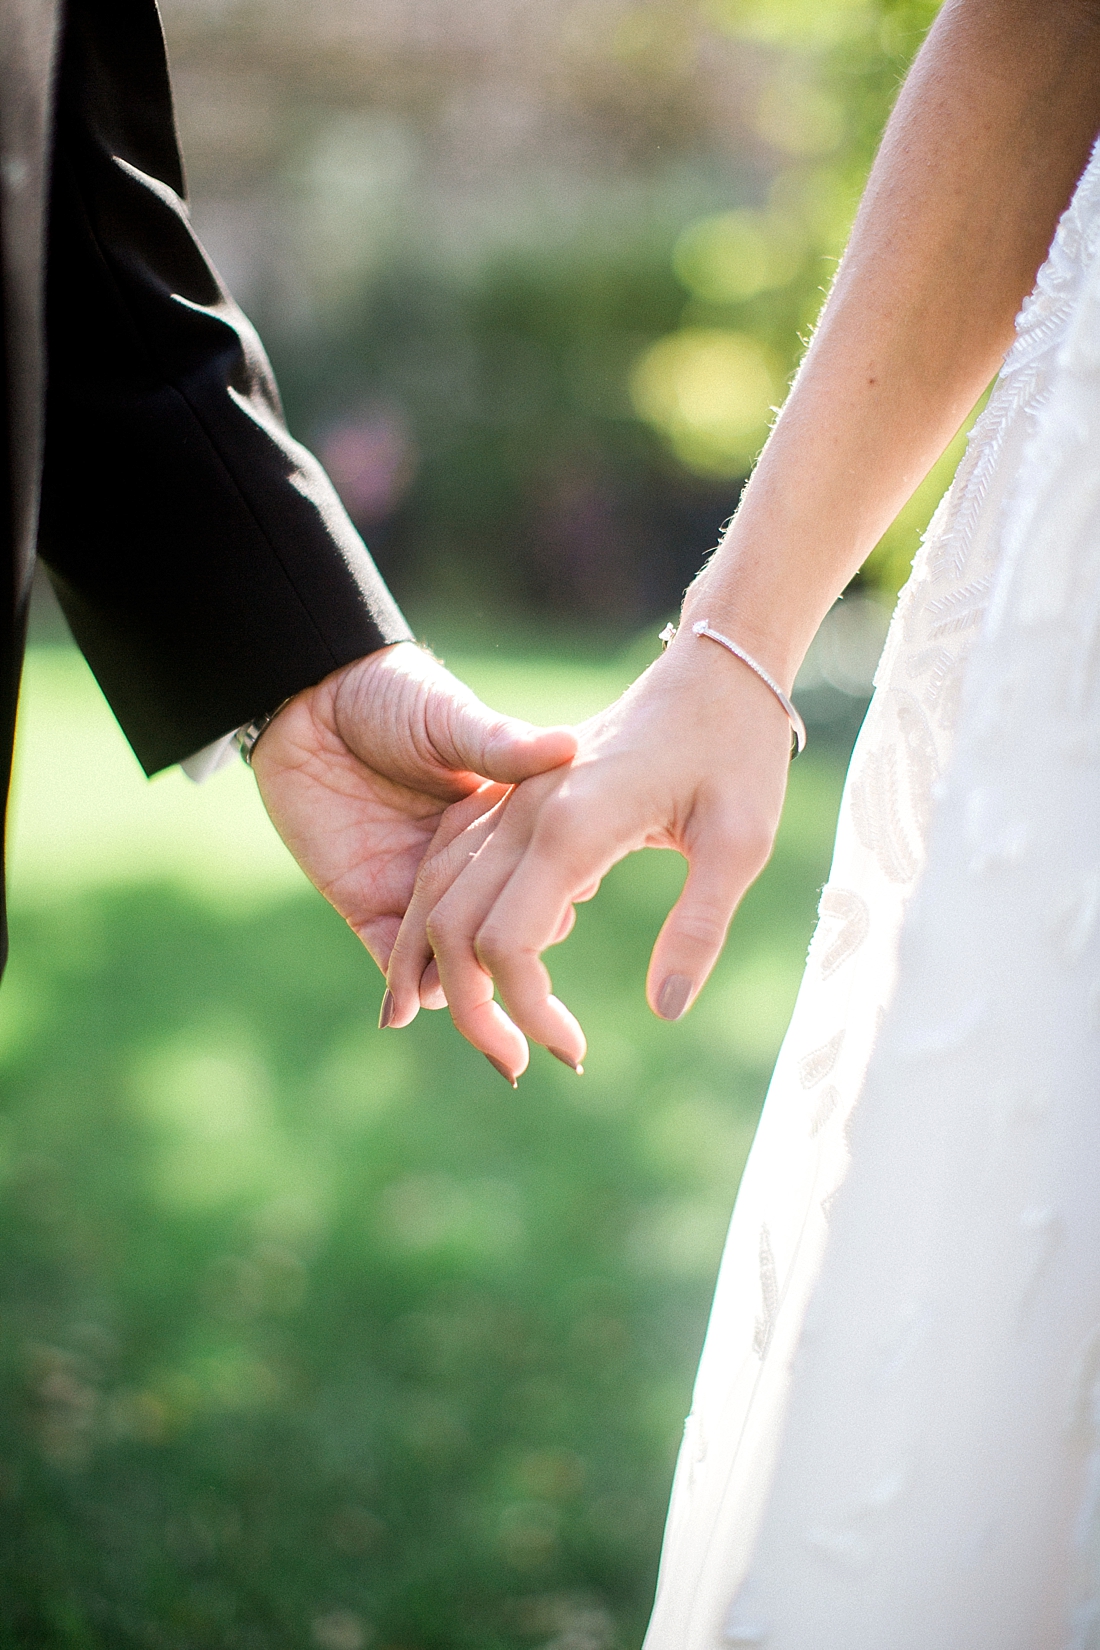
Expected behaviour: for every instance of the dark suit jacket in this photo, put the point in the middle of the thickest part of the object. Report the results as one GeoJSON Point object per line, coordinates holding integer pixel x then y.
{"type": "Point", "coordinates": [202, 557]}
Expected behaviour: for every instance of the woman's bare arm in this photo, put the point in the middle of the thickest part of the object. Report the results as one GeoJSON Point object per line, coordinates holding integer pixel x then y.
{"type": "Point", "coordinates": [990, 134]}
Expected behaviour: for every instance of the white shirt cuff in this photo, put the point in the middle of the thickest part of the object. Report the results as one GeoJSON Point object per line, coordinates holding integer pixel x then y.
{"type": "Point", "coordinates": [211, 759]}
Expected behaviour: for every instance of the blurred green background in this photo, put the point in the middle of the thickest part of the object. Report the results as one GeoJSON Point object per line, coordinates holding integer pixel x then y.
{"type": "Point", "coordinates": [318, 1338]}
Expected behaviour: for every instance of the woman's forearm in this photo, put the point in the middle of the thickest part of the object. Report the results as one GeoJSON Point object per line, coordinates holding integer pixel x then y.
{"type": "Point", "coordinates": [990, 134]}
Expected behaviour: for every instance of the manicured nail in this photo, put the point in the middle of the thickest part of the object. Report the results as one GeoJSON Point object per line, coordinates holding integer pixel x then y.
{"type": "Point", "coordinates": [388, 1007]}
{"type": "Point", "coordinates": [673, 996]}
{"type": "Point", "coordinates": [504, 1072]}
{"type": "Point", "coordinates": [568, 1060]}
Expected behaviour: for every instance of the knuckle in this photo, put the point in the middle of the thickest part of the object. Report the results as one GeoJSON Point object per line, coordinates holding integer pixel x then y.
{"type": "Point", "coordinates": [559, 820]}
{"type": "Point", "coordinates": [704, 925]}
{"type": "Point", "coordinates": [442, 930]}
{"type": "Point", "coordinates": [491, 946]}
{"type": "Point", "coordinates": [564, 835]}
{"type": "Point", "coordinates": [440, 873]}
{"type": "Point", "coordinates": [431, 880]}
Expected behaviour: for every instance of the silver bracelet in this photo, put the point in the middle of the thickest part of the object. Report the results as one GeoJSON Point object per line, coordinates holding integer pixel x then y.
{"type": "Point", "coordinates": [701, 627]}
{"type": "Point", "coordinates": [246, 737]}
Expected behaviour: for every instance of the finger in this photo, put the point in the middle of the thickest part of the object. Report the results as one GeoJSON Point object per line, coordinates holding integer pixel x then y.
{"type": "Point", "coordinates": [457, 818]}
{"type": "Point", "coordinates": [466, 984]}
{"type": "Point", "coordinates": [723, 862]}
{"type": "Point", "coordinates": [462, 830]}
{"type": "Point", "coordinates": [455, 921]}
{"type": "Point", "coordinates": [468, 735]}
{"type": "Point", "coordinates": [378, 935]}
{"type": "Point", "coordinates": [467, 987]}
{"type": "Point", "coordinates": [432, 995]}
{"type": "Point", "coordinates": [534, 910]}
{"type": "Point", "coordinates": [565, 926]}
{"type": "Point", "coordinates": [431, 990]}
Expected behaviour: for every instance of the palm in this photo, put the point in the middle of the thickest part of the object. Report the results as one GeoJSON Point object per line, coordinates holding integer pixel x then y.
{"type": "Point", "coordinates": [358, 772]}
{"type": "Point", "coordinates": [358, 835]}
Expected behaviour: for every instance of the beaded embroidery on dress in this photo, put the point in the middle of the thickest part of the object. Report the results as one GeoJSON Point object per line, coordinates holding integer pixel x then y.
{"type": "Point", "coordinates": [895, 1436]}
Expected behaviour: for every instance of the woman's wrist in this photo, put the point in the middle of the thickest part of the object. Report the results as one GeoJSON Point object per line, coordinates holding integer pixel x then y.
{"type": "Point", "coordinates": [786, 556]}
{"type": "Point", "coordinates": [769, 619]}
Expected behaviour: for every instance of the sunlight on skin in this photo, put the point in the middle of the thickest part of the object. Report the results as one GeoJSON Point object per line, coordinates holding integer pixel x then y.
{"type": "Point", "coordinates": [359, 771]}
{"type": "Point", "coordinates": [553, 847]}
{"type": "Point", "coordinates": [84, 816]}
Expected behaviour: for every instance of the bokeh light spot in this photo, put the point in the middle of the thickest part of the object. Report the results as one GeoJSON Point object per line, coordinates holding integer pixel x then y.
{"type": "Point", "coordinates": [734, 255]}
{"type": "Point", "coordinates": [710, 392]}
{"type": "Point", "coordinates": [798, 118]}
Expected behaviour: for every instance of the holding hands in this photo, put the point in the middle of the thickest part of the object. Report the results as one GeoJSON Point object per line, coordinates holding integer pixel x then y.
{"type": "Point", "coordinates": [692, 757]}
{"type": "Point", "coordinates": [358, 772]}
{"type": "Point", "coordinates": [456, 842]}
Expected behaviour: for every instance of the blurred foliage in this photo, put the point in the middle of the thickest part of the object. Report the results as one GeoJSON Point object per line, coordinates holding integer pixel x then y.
{"type": "Point", "coordinates": [560, 423]}
{"type": "Point", "coordinates": [710, 391]}
{"type": "Point", "coordinates": [312, 1336]}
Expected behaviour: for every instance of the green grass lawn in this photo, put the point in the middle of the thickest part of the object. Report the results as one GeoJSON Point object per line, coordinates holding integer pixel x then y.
{"type": "Point", "coordinates": [316, 1337]}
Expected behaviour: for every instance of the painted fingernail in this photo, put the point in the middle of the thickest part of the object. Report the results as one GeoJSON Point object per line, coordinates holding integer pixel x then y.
{"type": "Point", "coordinates": [388, 1008]}
{"type": "Point", "coordinates": [568, 1060]}
{"type": "Point", "coordinates": [504, 1072]}
{"type": "Point", "coordinates": [673, 996]}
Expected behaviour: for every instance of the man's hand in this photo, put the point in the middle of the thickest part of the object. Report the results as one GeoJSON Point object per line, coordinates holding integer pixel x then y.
{"type": "Point", "coordinates": [358, 772]}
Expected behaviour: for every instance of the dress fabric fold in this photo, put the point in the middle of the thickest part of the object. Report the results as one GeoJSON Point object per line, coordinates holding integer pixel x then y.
{"type": "Point", "coordinates": [894, 1441]}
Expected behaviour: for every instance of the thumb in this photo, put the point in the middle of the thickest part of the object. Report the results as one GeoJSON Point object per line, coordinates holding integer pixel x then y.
{"type": "Point", "coordinates": [694, 931]}
{"type": "Point", "coordinates": [470, 737]}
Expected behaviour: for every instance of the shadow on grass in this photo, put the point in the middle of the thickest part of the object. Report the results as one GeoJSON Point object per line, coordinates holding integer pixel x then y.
{"type": "Point", "coordinates": [314, 1336]}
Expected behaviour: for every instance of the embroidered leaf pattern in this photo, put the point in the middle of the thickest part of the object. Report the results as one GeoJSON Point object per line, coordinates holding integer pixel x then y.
{"type": "Point", "coordinates": [814, 1067]}
{"type": "Point", "coordinates": [769, 1296]}
{"type": "Point", "coordinates": [826, 1106]}
{"type": "Point", "coordinates": [850, 912]}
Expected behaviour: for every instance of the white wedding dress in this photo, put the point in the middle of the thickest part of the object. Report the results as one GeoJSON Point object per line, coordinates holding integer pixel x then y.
{"type": "Point", "coordinates": [895, 1438]}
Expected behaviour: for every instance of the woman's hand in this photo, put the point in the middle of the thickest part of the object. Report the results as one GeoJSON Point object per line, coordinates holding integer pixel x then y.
{"type": "Point", "coordinates": [991, 132]}
{"type": "Point", "coordinates": [693, 757]}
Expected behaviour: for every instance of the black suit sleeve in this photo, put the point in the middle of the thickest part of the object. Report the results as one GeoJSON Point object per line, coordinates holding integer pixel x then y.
{"type": "Point", "coordinates": [202, 557]}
